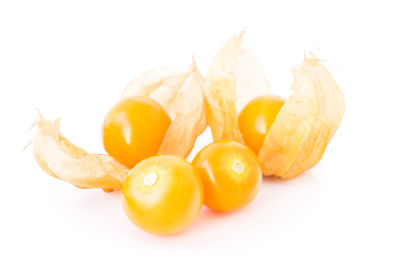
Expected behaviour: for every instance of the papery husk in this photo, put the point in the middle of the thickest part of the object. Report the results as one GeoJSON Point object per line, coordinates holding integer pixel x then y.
{"type": "Point", "coordinates": [181, 95]}
{"type": "Point", "coordinates": [305, 124]}
{"type": "Point", "coordinates": [60, 158]}
{"type": "Point", "coordinates": [233, 79]}
{"type": "Point", "coordinates": [303, 127]}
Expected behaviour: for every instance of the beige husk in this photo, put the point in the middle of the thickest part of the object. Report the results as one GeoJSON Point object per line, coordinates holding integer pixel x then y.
{"type": "Point", "coordinates": [233, 79]}
{"type": "Point", "coordinates": [180, 93]}
{"type": "Point", "coordinates": [295, 142]}
{"type": "Point", "coordinates": [323, 90]}
{"type": "Point", "coordinates": [305, 124]}
{"type": "Point", "coordinates": [303, 127]}
{"type": "Point", "coordinates": [59, 158]}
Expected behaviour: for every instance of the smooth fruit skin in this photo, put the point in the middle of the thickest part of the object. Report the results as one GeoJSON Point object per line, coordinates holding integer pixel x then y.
{"type": "Point", "coordinates": [163, 195]}
{"type": "Point", "coordinates": [230, 173]}
{"type": "Point", "coordinates": [134, 129]}
{"type": "Point", "coordinates": [256, 119]}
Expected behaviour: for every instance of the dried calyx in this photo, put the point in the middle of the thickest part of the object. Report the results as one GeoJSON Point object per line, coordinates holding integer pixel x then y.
{"type": "Point", "coordinates": [233, 79]}
{"type": "Point", "coordinates": [295, 142]}
{"type": "Point", "coordinates": [180, 93]}
{"type": "Point", "coordinates": [302, 129]}
{"type": "Point", "coordinates": [60, 158]}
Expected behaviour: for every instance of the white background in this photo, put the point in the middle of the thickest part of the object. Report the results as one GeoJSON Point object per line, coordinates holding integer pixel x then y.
{"type": "Point", "coordinates": [73, 59]}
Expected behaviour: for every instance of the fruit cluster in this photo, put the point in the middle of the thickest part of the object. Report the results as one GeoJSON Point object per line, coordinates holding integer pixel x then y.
{"type": "Point", "coordinates": [151, 130]}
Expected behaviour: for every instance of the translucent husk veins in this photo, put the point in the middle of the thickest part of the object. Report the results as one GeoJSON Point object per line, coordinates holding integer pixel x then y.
{"type": "Point", "coordinates": [295, 142]}
{"type": "Point", "coordinates": [303, 127]}
{"type": "Point", "coordinates": [180, 93]}
{"type": "Point", "coordinates": [61, 159]}
{"type": "Point", "coordinates": [233, 79]}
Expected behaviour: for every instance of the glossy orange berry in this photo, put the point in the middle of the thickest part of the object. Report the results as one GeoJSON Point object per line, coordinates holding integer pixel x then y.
{"type": "Point", "coordinates": [134, 129]}
{"type": "Point", "coordinates": [163, 194]}
{"type": "Point", "coordinates": [230, 173]}
{"type": "Point", "coordinates": [256, 119]}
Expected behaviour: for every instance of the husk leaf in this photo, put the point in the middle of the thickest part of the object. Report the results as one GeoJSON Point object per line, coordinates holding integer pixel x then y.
{"type": "Point", "coordinates": [60, 158]}
{"type": "Point", "coordinates": [233, 79]}
{"type": "Point", "coordinates": [305, 124]}
{"type": "Point", "coordinates": [303, 127]}
{"type": "Point", "coordinates": [181, 95]}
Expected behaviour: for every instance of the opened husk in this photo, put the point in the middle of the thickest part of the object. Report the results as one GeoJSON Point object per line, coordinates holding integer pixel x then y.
{"type": "Point", "coordinates": [181, 96]}
{"type": "Point", "coordinates": [59, 158]}
{"type": "Point", "coordinates": [295, 142]}
{"type": "Point", "coordinates": [180, 93]}
{"type": "Point", "coordinates": [303, 127]}
{"type": "Point", "coordinates": [305, 124]}
{"type": "Point", "coordinates": [330, 109]}
{"type": "Point", "coordinates": [233, 79]}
